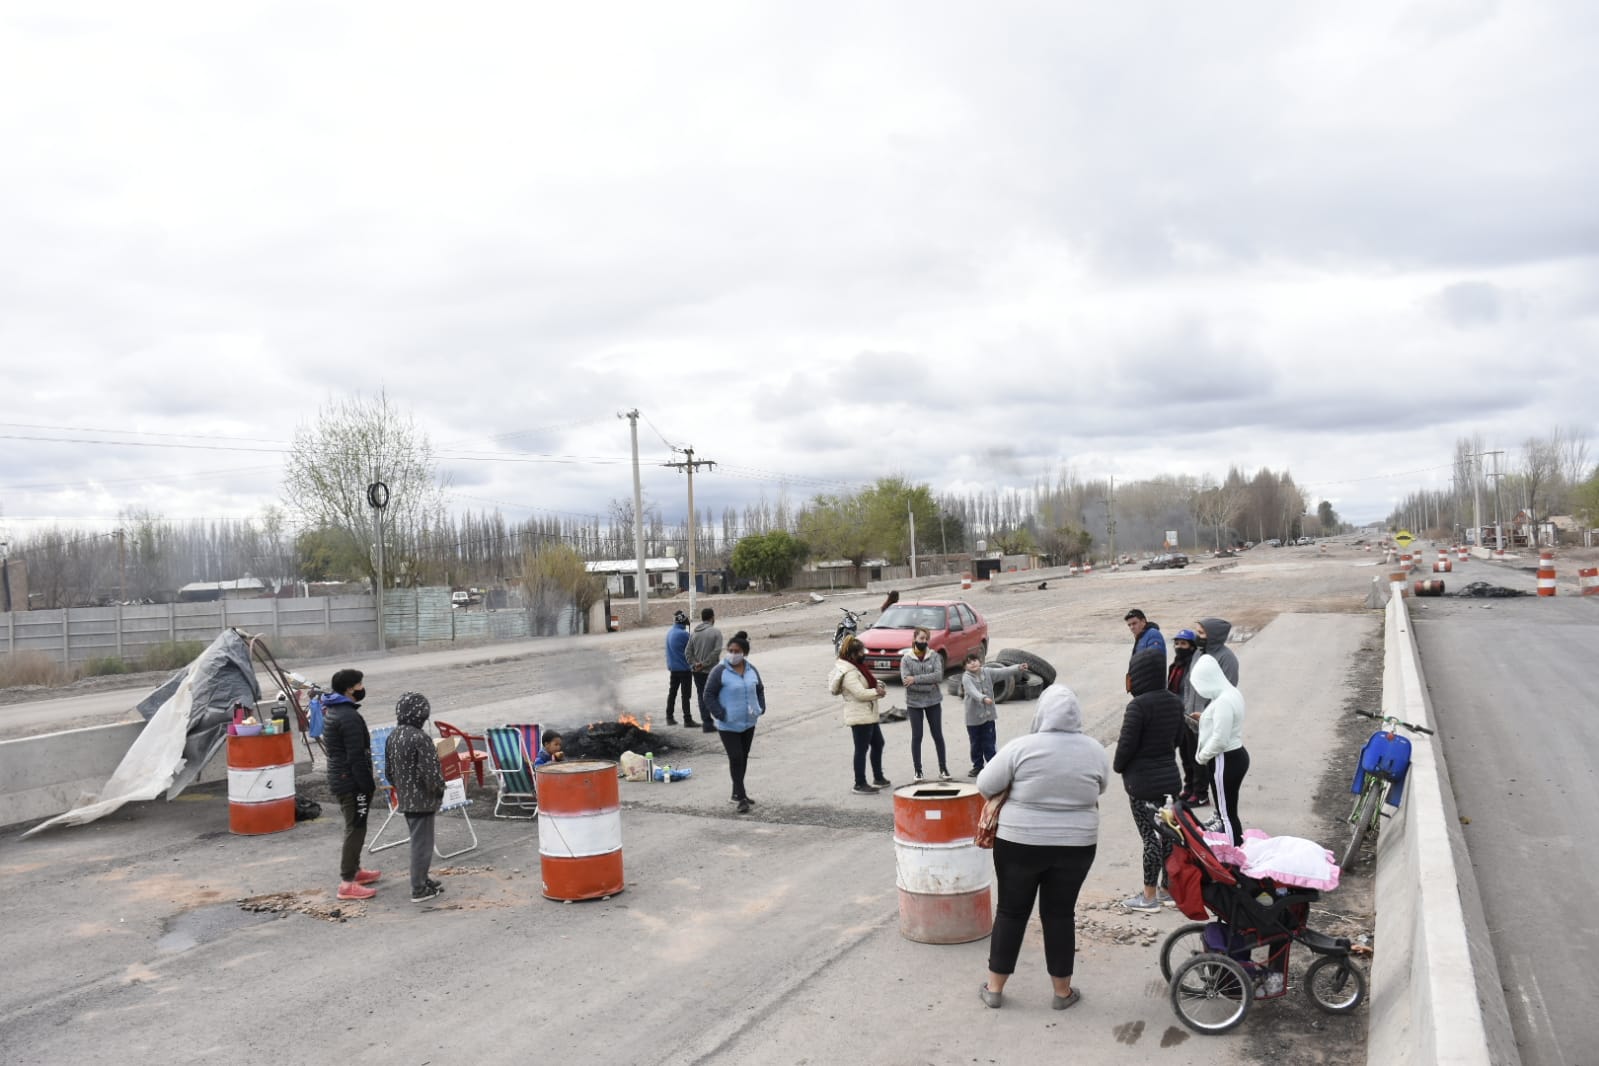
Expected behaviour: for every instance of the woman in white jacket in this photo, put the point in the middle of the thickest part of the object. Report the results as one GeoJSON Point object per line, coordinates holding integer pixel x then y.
{"type": "Point", "coordinates": [1221, 740]}
{"type": "Point", "coordinates": [852, 681]}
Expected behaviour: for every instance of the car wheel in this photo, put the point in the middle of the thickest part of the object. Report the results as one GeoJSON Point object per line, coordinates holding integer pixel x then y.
{"type": "Point", "coordinates": [1037, 666]}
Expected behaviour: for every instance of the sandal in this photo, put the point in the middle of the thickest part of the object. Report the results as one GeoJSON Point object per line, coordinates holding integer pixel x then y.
{"type": "Point", "coordinates": [1063, 1002]}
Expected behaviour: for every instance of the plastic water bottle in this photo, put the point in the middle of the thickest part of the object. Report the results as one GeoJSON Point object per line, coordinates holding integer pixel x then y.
{"type": "Point", "coordinates": [666, 775]}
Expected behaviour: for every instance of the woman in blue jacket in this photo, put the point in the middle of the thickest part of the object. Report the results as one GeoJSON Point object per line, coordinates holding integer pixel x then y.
{"type": "Point", "coordinates": [735, 698]}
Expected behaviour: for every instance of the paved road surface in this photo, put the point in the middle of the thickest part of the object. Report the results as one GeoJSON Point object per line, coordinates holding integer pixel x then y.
{"type": "Point", "coordinates": [771, 938]}
{"type": "Point", "coordinates": [1512, 684]}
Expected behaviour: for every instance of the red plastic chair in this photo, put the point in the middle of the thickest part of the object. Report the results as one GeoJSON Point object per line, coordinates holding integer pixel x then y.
{"type": "Point", "coordinates": [477, 749]}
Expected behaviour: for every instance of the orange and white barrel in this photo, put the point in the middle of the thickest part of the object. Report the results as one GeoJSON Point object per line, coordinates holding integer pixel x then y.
{"type": "Point", "coordinates": [1407, 562]}
{"type": "Point", "coordinates": [1072, 570]}
{"type": "Point", "coordinates": [1588, 581]}
{"type": "Point", "coordinates": [616, 623]}
{"type": "Point", "coordinates": [1462, 553]}
{"type": "Point", "coordinates": [1443, 565]}
{"type": "Point", "coordinates": [945, 880]}
{"type": "Point", "coordinates": [1546, 573]}
{"type": "Point", "coordinates": [1088, 568]}
{"type": "Point", "coordinates": [580, 829]}
{"type": "Point", "coordinates": [261, 784]}
{"type": "Point", "coordinates": [1428, 588]}
{"type": "Point", "coordinates": [966, 582]}
{"type": "Point", "coordinates": [1499, 553]}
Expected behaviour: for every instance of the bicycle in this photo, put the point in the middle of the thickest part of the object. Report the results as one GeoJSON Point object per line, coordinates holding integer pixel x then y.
{"type": "Point", "coordinates": [1379, 777]}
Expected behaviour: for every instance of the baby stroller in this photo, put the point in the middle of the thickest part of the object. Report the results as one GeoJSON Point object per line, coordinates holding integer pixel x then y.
{"type": "Point", "coordinates": [1218, 968]}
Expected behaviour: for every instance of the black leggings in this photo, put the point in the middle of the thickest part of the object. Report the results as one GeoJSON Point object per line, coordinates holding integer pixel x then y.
{"type": "Point", "coordinates": [1196, 778]}
{"type": "Point", "coordinates": [1156, 846]}
{"type": "Point", "coordinates": [1052, 875]}
{"type": "Point", "coordinates": [738, 756]}
{"type": "Point", "coordinates": [1229, 769]}
{"type": "Point", "coordinates": [935, 726]}
{"type": "Point", "coordinates": [868, 737]}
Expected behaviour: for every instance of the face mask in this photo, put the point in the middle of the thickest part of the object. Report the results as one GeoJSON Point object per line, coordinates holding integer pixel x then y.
{"type": "Point", "coordinates": [735, 657]}
{"type": "Point", "coordinates": [357, 695]}
{"type": "Point", "coordinates": [921, 645]}
{"type": "Point", "coordinates": [1199, 645]}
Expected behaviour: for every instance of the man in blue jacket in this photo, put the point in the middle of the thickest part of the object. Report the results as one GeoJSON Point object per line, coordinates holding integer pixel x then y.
{"type": "Point", "coordinates": [677, 665]}
{"type": "Point", "coordinates": [1146, 634]}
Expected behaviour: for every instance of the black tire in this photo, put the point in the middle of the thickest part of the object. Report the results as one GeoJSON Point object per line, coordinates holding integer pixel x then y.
{"type": "Point", "coordinates": [1364, 818]}
{"type": "Point", "coordinates": [1035, 665]}
{"type": "Point", "coordinates": [1184, 943]}
{"type": "Point", "coordinates": [1211, 993]}
{"type": "Point", "coordinates": [1033, 689]}
{"type": "Point", "coordinates": [1004, 690]}
{"type": "Point", "coordinates": [1335, 984]}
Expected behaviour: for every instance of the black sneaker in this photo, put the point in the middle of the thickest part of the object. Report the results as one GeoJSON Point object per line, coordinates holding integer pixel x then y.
{"type": "Point", "coordinates": [881, 782]}
{"type": "Point", "coordinates": [426, 894]}
{"type": "Point", "coordinates": [974, 771]}
{"type": "Point", "coordinates": [864, 789]}
{"type": "Point", "coordinates": [744, 806]}
{"type": "Point", "coordinates": [437, 886]}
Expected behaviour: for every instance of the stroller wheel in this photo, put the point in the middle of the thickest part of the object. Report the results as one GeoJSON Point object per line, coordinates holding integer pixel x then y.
{"type": "Point", "coordinates": [1184, 943]}
{"type": "Point", "coordinates": [1211, 993]}
{"type": "Point", "coordinates": [1335, 984]}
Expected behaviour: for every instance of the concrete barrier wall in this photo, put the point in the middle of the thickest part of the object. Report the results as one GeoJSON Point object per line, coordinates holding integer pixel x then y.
{"type": "Point", "coordinates": [45, 775]}
{"type": "Point", "coordinates": [1436, 997]}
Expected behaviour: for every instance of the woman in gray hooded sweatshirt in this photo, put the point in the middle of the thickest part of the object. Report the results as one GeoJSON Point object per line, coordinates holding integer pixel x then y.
{"type": "Point", "coordinates": [1048, 833]}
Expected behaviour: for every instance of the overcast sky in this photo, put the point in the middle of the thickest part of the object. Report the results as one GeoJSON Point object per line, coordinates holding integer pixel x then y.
{"type": "Point", "coordinates": [819, 242]}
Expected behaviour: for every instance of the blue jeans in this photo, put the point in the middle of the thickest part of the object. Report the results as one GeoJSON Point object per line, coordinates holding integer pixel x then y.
{"type": "Point", "coordinates": [982, 739]}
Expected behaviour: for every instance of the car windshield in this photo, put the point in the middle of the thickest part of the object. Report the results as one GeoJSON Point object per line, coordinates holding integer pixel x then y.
{"type": "Point", "coordinates": [909, 616]}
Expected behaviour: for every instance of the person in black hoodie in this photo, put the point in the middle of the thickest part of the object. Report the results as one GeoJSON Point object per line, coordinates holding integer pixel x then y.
{"type": "Point", "coordinates": [349, 748]}
{"type": "Point", "coordinates": [418, 780]}
{"type": "Point", "coordinates": [1145, 757]}
{"type": "Point", "coordinates": [1196, 783]}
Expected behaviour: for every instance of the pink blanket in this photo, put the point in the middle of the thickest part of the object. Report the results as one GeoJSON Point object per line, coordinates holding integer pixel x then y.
{"type": "Point", "coordinates": [1286, 860]}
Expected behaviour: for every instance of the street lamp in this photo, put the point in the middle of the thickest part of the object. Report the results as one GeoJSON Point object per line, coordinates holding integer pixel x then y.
{"type": "Point", "coordinates": [377, 494]}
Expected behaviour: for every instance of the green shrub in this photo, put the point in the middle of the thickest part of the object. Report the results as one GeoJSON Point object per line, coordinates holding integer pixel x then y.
{"type": "Point", "coordinates": [174, 655]}
{"type": "Point", "coordinates": [111, 664]}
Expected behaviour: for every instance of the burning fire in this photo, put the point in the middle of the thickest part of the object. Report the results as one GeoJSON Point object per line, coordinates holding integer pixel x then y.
{"type": "Point", "coordinates": [628, 719]}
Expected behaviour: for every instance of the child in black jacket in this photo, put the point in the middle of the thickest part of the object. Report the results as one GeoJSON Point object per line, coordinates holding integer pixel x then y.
{"type": "Point", "coordinates": [418, 780]}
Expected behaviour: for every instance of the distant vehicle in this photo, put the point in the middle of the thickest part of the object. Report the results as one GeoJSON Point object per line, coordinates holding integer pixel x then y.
{"type": "Point", "coordinates": [955, 628]}
{"type": "Point", "coordinates": [1304, 541]}
{"type": "Point", "coordinates": [1274, 543]}
{"type": "Point", "coordinates": [1167, 561]}
{"type": "Point", "coordinates": [460, 599]}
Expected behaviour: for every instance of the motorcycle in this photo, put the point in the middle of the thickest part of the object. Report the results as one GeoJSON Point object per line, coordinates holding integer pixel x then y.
{"type": "Point", "coordinates": [847, 627]}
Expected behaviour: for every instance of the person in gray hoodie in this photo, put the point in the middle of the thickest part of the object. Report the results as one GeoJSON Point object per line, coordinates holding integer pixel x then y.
{"type": "Point", "coordinates": [703, 651]}
{"type": "Point", "coordinates": [921, 670]}
{"type": "Point", "coordinates": [418, 780]}
{"type": "Point", "coordinates": [1052, 779]}
{"type": "Point", "coordinates": [1210, 639]}
{"type": "Point", "coordinates": [977, 693]}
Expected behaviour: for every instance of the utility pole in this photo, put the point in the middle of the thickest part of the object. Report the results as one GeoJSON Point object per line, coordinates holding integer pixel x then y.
{"type": "Point", "coordinates": [1499, 522]}
{"type": "Point", "coordinates": [1110, 520]}
{"type": "Point", "coordinates": [1476, 498]}
{"type": "Point", "coordinates": [912, 513]}
{"type": "Point", "coordinates": [638, 522]}
{"type": "Point", "coordinates": [377, 495]}
{"type": "Point", "coordinates": [122, 565]}
{"type": "Point", "coordinates": [689, 465]}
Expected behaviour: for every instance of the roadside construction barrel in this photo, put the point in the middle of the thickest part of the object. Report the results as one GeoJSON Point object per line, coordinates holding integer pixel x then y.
{"type": "Point", "coordinates": [616, 622]}
{"type": "Point", "coordinates": [1428, 588]}
{"type": "Point", "coordinates": [1443, 565]}
{"type": "Point", "coordinates": [966, 582]}
{"type": "Point", "coordinates": [1072, 570]}
{"type": "Point", "coordinates": [944, 878]}
{"type": "Point", "coordinates": [1546, 573]}
{"type": "Point", "coordinates": [1588, 581]}
{"type": "Point", "coordinates": [1499, 553]}
{"type": "Point", "coordinates": [1407, 562]}
{"type": "Point", "coordinates": [261, 784]}
{"type": "Point", "coordinates": [580, 829]}
{"type": "Point", "coordinates": [1462, 553]}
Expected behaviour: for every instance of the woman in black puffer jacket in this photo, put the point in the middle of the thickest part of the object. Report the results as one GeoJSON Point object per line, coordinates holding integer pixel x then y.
{"type": "Point", "coordinates": [1146, 758]}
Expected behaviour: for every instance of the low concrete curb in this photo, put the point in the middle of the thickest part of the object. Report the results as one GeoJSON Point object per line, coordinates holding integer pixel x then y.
{"type": "Point", "coordinates": [45, 775]}
{"type": "Point", "coordinates": [1436, 996]}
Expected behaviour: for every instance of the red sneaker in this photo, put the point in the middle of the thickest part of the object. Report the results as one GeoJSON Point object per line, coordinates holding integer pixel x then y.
{"type": "Point", "coordinates": [366, 877]}
{"type": "Point", "coordinates": [351, 890]}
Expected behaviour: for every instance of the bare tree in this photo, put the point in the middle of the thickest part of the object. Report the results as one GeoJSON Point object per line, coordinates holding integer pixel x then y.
{"type": "Point", "coordinates": [1540, 463]}
{"type": "Point", "coordinates": [352, 444]}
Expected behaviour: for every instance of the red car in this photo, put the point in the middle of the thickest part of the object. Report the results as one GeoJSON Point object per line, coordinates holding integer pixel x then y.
{"type": "Point", "coordinates": [956, 629]}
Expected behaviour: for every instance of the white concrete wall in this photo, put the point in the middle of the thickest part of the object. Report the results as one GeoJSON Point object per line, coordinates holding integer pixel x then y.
{"type": "Point", "coordinates": [1435, 993]}
{"type": "Point", "coordinates": [45, 775]}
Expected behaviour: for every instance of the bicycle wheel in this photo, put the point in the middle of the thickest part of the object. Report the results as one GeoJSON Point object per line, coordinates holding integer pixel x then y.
{"type": "Point", "coordinates": [1211, 993]}
{"type": "Point", "coordinates": [1185, 942]}
{"type": "Point", "coordinates": [1364, 818]}
{"type": "Point", "coordinates": [1335, 984]}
